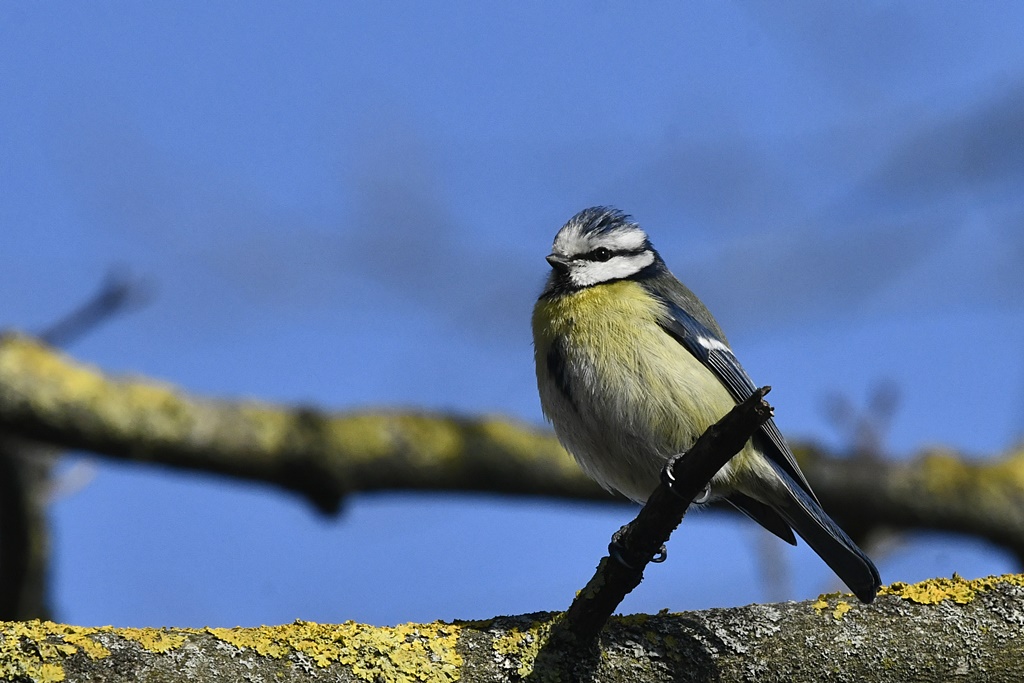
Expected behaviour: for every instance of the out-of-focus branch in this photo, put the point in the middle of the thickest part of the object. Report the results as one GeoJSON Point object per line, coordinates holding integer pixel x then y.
{"type": "Point", "coordinates": [25, 467]}
{"type": "Point", "coordinates": [45, 395]}
{"type": "Point", "coordinates": [866, 429]}
{"type": "Point", "coordinates": [962, 630]}
{"type": "Point", "coordinates": [937, 490]}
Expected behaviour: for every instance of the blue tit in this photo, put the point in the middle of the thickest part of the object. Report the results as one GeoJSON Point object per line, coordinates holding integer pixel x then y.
{"type": "Point", "coordinates": [632, 368]}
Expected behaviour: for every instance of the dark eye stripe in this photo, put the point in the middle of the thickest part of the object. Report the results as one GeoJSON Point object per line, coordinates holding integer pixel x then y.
{"type": "Point", "coordinates": [606, 254]}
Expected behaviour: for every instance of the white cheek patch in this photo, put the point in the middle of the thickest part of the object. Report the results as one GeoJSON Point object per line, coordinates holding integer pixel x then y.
{"type": "Point", "coordinates": [586, 273]}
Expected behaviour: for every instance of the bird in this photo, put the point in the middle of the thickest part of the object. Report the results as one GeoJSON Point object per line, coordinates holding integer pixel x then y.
{"type": "Point", "coordinates": [632, 368]}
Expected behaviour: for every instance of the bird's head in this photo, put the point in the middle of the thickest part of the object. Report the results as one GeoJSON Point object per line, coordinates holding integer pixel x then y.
{"type": "Point", "coordinates": [600, 244]}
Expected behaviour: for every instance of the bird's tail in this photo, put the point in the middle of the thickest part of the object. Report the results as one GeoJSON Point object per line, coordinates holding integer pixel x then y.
{"type": "Point", "coordinates": [831, 543]}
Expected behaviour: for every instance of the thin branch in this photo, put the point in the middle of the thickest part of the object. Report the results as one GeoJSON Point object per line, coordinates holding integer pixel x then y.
{"type": "Point", "coordinates": [119, 293]}
{"type": "Point", "coordinates": [636, 544]}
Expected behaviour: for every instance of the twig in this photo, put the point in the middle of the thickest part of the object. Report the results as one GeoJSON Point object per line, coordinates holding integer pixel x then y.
{"type": "Point", "coordinates": [119, 293]}
{"type": "Point", "coordinates": [641, 540]}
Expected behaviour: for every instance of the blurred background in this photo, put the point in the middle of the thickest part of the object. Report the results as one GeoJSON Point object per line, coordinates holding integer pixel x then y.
{"type": "Point", "coordinates": [348, 205]}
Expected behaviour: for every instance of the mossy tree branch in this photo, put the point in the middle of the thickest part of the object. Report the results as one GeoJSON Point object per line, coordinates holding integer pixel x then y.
{"type": "Point", "coordinates": [47, 396]}
{"type": "Point", "coordinates": [962, 630]}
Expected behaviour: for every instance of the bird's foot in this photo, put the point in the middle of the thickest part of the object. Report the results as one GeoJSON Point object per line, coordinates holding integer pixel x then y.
{"type": "Point", "coordinates": [669, 479]}
{"type": "Point", "coordinates": [616, 548]}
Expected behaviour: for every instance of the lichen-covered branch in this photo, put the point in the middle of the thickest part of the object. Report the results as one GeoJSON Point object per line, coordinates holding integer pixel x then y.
{"type": "Point", "coordinates": [47, 396]}
{"type": "Point", "coordinates": [939, 630]}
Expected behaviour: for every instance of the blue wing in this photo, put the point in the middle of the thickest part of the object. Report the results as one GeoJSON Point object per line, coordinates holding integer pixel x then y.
{"type": "Point", "coordinates": [710, 348]}
{"type": "Point", "coordinates": [799, 508]}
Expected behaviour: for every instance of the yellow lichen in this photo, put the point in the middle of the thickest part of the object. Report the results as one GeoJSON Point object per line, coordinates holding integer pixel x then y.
{"type": "Point", "coordinates": [17, 661]}
{"type": "Point", "coordinates": [841, 609]}
{"type": "Point", "coordinates": [439, 439]}
{"type": "Point", "coordinates": [527, 443]}
{"type": "Point", "coordinates": [81, 638]}
{"type": "Point", "coordinates": [243, 637]}
{"type": "Point", "coordinates": [22, 355]}
{"type": "Point", "coordinates": [154, 639]}
{"type": "Point", "coordinates": [267, 427]}
{"type": "Point", "coordinates": [37, 649]}
{"type": "Point", "coordinates": [428, 441]}
{"type": "Point", "coordinates": [956, 589]}
{"type": "Point", "coordinates": [822, 603]}
{"type": "Point", "coordinates": [1009, 470]}
{"type": "Point", "coordinates": [50, 673]}
{"type": "Point", "coordinates": [423, 652]}
{"type": "Point", "coordinates": [943, 471]}
{"type": "Point", "coordinates": [841, 605]}
{"type": "Point", "coordinates": [523, 645]}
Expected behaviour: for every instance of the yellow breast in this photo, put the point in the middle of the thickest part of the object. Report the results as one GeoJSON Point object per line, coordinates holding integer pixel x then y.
{"type": "Point", "coordinates": [638, 395]}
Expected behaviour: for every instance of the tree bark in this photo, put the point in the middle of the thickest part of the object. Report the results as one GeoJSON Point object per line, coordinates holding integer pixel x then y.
{"type": "Point", "coordinates": [940, 630]}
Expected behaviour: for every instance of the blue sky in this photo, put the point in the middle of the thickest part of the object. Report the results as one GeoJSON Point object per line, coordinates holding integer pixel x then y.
{"type": "Point", "coordinates": [348, 204]}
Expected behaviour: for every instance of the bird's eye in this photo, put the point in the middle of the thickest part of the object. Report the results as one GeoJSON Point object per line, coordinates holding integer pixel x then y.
{"type": "Point", "coordinates": [601, 254]}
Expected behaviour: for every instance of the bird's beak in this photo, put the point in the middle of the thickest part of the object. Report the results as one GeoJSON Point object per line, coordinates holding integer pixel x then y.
{"type": "Point", "coordinates": [559, 263]}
